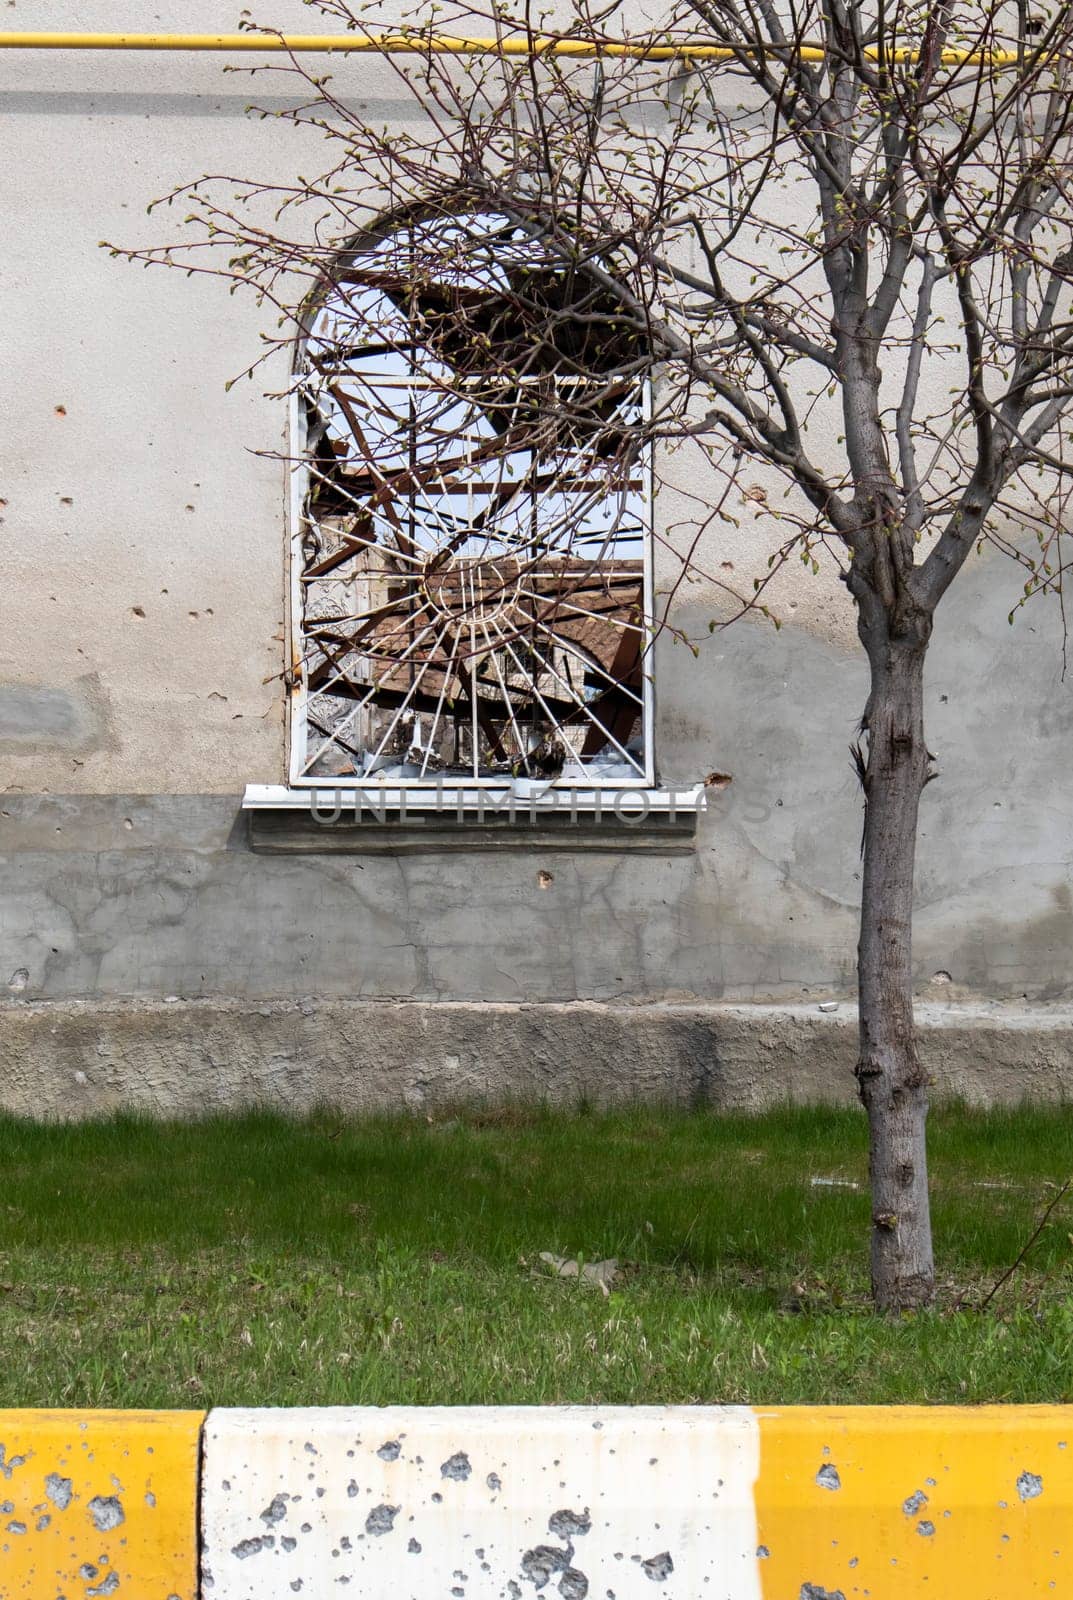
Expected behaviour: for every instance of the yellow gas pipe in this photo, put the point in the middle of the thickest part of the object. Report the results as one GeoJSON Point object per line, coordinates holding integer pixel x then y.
{"type": "Point", "coordinates": [440, 44]}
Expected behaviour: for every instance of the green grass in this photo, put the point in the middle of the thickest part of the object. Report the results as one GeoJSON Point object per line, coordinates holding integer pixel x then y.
{"type": "Point", "coordinates": [258, 1261]}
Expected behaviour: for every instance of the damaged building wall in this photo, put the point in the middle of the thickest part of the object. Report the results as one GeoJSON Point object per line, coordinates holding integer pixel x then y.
{"type": "Point", "coordinates": [143, 549]}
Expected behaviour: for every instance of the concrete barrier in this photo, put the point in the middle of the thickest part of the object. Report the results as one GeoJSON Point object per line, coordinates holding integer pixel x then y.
{"type": "Point", "coordinates": [96, 1503]}
{"type": "Point", "coordinates": [728, 1503]}
{"type": "Point", "coordinates": [499, 1502]}
{"type": "Point", "coordinates": [554, 1503]}
{"type": "Point", "coordinates": [898, 1502]}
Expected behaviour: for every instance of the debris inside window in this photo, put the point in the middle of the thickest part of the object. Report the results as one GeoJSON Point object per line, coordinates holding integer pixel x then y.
{"type": "Point", "coordinates": [471, 579]}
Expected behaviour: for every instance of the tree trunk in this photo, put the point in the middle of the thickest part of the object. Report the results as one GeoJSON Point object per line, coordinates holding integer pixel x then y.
{"type": "Point", "coordinates": [890, 1079]}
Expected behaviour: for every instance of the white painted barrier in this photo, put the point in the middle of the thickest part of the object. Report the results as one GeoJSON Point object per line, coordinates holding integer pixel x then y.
{"type": "Point", "coordinates": [498, 1503]}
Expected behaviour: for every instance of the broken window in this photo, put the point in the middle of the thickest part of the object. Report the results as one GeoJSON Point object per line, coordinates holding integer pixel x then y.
{"type": "Point", "coordinates": [471, 584]}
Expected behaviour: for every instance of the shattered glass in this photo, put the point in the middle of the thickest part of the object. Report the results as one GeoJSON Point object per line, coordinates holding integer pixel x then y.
{"type": "Point", "coordinates": [472, 583]}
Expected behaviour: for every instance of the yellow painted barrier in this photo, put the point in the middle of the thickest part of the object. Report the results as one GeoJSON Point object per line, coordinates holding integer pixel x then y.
{"type": "Point", "coordinates": [96, 1503]}
{"type": "Point", "coordinates": [900, 1502]}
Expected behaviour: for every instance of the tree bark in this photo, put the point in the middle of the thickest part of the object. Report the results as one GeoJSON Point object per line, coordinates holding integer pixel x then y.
{"type": "Point", "coordinates": [890, 1078]}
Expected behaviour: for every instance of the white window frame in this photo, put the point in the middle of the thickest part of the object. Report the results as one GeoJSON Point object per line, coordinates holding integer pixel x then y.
{"type": "Point", "coordinates": [298, 489]}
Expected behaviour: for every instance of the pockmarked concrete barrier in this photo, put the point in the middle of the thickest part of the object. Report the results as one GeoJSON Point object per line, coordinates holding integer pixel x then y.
{"type": "Point", "coordinates": [676, 1503]}
{"type": "Point", "coordinates": [99, 1503]}
{"type": "Point", "coordinates": [554, 1503]}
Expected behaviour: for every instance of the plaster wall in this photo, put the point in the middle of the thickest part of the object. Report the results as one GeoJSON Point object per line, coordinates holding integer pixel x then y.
{"type": "Point", "coordinates": [141, 611]}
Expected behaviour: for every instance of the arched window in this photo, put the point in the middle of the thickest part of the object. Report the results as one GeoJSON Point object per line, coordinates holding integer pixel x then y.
{"type": "Point", "coordinates": [471, 583]}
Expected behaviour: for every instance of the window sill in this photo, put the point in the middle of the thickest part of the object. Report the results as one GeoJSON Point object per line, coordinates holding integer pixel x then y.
{"type": "Point", "coordinates": [522, 815]}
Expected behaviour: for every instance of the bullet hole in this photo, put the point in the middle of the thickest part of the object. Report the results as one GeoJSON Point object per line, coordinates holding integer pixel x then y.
{"type": "Point", "coordinates": [545, 879]}
{"type": "Point", "coordinates": [18, 980]}
{"type": "Point", "coordinates": [727, 566]}
{"type": "Point", "coordinates": [106, 1511]}
{"type": "Point", "coordinates": [569, 1524]}
{"type": "Point", "coordinates": [59, 1490]}
{"type": "Point", "coordinates": [66, 500]}
{"type": "Point", "coordinates": [128, 823]}
{"type": "Point", "coordinates": [456, 1467]}
{"type": "Point", "coordinates": [193, 614]}
{"type": "Point", "coordinates": [381, 1520]}
{"type": "Point", "coordinates": [658, 1568]}
{"type": "Point", "coordinates": [138, 611]}
{"type": "Point", "coordinates": [276, 1511]}
{"type": "Point", "coordinates": [253, 1547]}
{"type": "Point", "coordinates": [390, 1451]}
{"type": "Point", "coordinates": [916, 1502]}
{"type": "Point", "coordinates": [61, 411]}
{"type": "Point", "coordinates": [944, 699]}
{"type": "Point", "coordinates": [540, 1564]}
{"type": "Point", "coordinates": [188, 508]}
{"type": "Point", "coordinates": [828, 1478]}
{"type": "Point", "coordinates": [941, 977]}
{"type": "Point", "coordinates": [1029, 1486]}
{"type": "Point", "coordinates": [107, 1586]}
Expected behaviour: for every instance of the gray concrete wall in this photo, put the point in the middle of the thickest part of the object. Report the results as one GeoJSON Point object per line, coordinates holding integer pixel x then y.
{"type": "Point", "coordinates": [155, 895]}
{"type": "Point", "coordinates": [76, 1059]}
{"type": "Point", "coordinates": [142, 603]}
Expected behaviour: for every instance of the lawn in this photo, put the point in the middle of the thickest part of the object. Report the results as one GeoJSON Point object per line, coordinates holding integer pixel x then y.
{"type": "Point", "coordinates": [253, 1260]}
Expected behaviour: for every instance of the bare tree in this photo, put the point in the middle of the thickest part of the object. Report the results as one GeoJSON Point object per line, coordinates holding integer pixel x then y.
{"type": "Point", "coordinates": [835, 239]}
